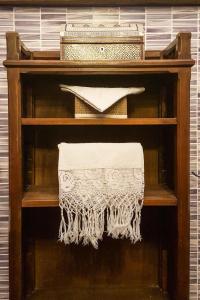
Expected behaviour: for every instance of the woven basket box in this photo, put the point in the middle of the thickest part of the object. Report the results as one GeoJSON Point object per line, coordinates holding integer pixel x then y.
{"type": "Point", "coordinates": [116, 111]}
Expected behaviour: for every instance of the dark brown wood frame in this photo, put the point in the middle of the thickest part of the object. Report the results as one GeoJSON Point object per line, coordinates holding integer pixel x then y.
{"type": "Point", "coordinates": [176, 59]}
{"type": "Point", "coordinates": [98, 2]}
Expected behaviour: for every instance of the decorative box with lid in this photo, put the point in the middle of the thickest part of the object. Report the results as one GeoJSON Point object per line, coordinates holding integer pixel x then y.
{"type": "Point", "coordinates": [102, 43]}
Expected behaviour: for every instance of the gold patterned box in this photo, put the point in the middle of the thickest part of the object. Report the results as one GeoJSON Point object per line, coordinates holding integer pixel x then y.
{"type": "Point", "coordinates": [101, 48]}
{"type": "Point", "coordinates": [116, 111]}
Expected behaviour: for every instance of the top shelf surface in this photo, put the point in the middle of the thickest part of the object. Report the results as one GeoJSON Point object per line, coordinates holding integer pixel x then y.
{"type": "Point", "coordinates": [176, 55]}
{"type": "Point", "coordinates": [100, 66]}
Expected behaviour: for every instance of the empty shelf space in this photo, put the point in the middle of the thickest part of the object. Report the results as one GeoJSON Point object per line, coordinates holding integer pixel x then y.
{"type": "Point", "coordinates": [100, 121]}
{"type": "Point", "coordinates": [37, 196]}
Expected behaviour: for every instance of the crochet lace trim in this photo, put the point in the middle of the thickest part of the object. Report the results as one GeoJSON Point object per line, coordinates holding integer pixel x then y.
{"type": "Point", "coordinates": [94, 201]}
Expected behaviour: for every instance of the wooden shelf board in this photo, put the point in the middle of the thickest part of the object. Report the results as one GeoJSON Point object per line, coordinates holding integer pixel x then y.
{"type": "Point", "coordinates": [78, 66]}
{"type": "Point", "coordinates": [99, 294]}
{"type": "Point", "coordinates": [38, 196]}
{"type": "Point", "coordinates": [101, 121]}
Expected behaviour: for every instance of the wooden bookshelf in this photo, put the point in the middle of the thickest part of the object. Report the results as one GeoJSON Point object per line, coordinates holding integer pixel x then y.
{"type": "Point", "coordinates": [40, 117]}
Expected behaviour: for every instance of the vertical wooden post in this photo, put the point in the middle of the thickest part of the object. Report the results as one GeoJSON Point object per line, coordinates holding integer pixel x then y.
{"type": "Point", "coordinates": [184, 45]}
{"type": "Point", "coordinates": [15, 184]}
{"type": "Point", "coordinates": [13, 45]}
{"type": "Point", "coordinates": [182, 183]}
{"type": "Point", "coordinates": [15, 168]}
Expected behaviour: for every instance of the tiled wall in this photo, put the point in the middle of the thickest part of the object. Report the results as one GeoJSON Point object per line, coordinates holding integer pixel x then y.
{"type": "Point", "coordinates": [39, 28]}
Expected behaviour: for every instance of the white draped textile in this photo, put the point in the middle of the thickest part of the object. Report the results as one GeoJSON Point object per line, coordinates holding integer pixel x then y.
{"type": "Point", "coordinates": [101, 189]}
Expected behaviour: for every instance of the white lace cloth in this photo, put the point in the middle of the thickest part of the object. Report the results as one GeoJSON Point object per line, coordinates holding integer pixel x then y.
{"type": "Point", "coordinates": [95, 199]}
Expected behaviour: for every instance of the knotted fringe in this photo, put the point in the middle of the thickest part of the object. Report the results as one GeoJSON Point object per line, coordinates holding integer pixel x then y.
{"type": "Point", "coordinates": [84, 225]}
{"type": "Point", "coordinates": [124, 222]}
{"type": "Point", "coordinates": [85, 216]}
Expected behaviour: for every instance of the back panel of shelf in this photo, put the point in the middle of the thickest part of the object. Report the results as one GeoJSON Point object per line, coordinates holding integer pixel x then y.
{"type": "Point", "coordinates": [117, 269]}
{"type": "Point", "coordinates": [41, 151]}
{"type": "Point", "coordinates": [42, 97]}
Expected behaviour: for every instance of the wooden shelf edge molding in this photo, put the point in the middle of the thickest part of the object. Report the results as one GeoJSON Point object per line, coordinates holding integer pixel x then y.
{"type": "Point", "coordinates": [100, 121]}
{"type": "Point", "coordinates": [97, 2]}
{"type": "Point", "coordinates": [37, 196]}
{"type": "Point", "coordinates": [124, 293]}
{"type": "Point", "coordinates": [78, 66]}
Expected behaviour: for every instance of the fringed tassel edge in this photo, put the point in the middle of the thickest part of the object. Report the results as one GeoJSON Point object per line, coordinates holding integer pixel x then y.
{"type": "Point", "coordinates": [88, 225]}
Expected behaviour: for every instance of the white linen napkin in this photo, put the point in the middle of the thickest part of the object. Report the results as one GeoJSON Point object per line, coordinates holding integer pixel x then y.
{"type": "Point", "coordinates": [101, 98]}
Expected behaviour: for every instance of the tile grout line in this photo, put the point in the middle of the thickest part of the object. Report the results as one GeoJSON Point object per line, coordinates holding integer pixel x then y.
{"type": "Point", "coordinates": [40, 29]}
{"type": "Point", "coordinates": [66, 16]}
{"type": "Point", "coordinates": [145, 27]}
{"type": "Point", "coordinates": [13, 18]}
{"type": "Point", "coordinates": [172, 23]}
{"type": "Point", "coordinates": [197, 150]}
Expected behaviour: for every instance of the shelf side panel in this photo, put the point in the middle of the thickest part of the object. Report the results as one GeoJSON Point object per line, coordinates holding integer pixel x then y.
{"type": "Point", "coordinates": [15, 183]}
{"type": "Point", "coordinates": [182, 183]}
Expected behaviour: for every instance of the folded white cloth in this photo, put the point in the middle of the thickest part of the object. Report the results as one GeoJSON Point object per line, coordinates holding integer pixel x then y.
{"type": "Point", "coordinates": [98, 180]}
{"type": "Point", "coordinates": [101, 98]}
{"type": "Point", "coordinates": [100, 155]}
